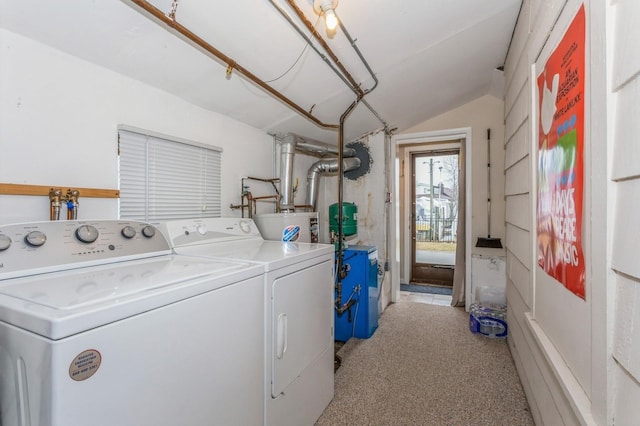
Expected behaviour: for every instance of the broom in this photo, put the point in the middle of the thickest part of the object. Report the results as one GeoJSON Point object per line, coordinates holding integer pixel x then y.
{"type": "Point", "coordinates": [488, 241]}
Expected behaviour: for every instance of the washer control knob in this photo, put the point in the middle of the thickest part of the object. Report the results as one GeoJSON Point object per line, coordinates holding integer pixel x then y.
{"type": "Point", "coordinates": [202, 230]}
{"type": "Point", "coordinates": [35, 238]}
{"type": "Point", "coordinates": [5, 242]}
{"type": "Point", "coordinates": [128, 231]}
{"type": "Point", "coordinates": [148, 231]}
{"type": "Point", "coordinates": [245, 226]}
{"type": "Point", "coordinates": [87, 233]}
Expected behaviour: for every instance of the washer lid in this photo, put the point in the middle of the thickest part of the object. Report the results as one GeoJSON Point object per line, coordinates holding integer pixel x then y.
{"type": "Point", "coordinates": [60, 304]}
{"type": "Point", "coordinates": [272, 254]}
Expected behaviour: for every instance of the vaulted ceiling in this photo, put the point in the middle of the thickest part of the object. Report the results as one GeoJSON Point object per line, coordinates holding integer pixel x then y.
{"type": "Point", "coordinates": [428, 56]}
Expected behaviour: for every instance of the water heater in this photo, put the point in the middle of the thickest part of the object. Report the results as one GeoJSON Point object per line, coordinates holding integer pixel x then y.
{"type": "Point", "coordinates": [288, 227]}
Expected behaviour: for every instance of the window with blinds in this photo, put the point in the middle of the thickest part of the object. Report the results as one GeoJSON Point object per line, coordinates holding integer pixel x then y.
{"type": "Point", "coordinates": [165, 178]}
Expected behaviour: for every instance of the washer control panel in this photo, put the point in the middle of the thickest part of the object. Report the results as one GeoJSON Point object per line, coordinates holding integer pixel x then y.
{"type": "Point", "coordinates": [186, 232]}
{"type": "Point", "coordinates": [36, 247]}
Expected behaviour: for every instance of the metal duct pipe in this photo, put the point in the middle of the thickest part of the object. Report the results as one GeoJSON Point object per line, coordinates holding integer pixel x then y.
{"type": "Point", "coordinates": [322, 149]}
{"type": "Point", "coordinates": [314, 147]}
{"type": "Point", "coordinates": [290, 144]}
{"type": "Point", "coordinates": [328, 165]}
{"type": "Point", "coordinates": [287, 151]}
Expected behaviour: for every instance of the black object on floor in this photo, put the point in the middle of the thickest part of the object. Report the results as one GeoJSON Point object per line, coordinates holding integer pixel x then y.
{"type": "Point", "coordinates": [426, 289]}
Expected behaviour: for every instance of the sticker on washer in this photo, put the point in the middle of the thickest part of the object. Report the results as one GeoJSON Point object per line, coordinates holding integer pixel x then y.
{"type": "Point", "coordinates": [291, 233]}
{"type": "Point", "coordinates": [85, 365]}
{"type": "Point", "coordinates": [313, 227]}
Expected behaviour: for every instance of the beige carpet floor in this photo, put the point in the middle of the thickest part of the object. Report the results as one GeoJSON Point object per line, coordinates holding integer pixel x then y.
{"type": "Point", "coordinates": [424, 367]}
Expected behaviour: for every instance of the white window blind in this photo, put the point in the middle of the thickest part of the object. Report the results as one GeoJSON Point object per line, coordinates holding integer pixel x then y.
{"type": "Point", "coordinates": [164, 179]}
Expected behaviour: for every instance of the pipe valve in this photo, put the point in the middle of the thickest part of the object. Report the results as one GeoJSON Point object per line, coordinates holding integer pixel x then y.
{"type": "Point", "coordinates": [72, 203]}
{"type": "Point", "coordinates": [70, 199]}
{"type": "Point", "coordinates": [55, 196]}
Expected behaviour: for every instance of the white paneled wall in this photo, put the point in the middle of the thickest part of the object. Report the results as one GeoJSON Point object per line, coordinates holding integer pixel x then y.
{"type": "Point", "coordinates": [517, 177]}
{"type": "Point", "coordinates": [556, 378]}
{"type": "Point", "coordinates": [625, 174]}
{"type": "Point", "coordinates": [589, 372]}
{"type": "Point", "coordinates": [517, 146]}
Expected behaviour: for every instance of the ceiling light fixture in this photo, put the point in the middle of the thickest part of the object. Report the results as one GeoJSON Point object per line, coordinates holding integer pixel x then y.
{"type": "Point", "coordinates": [327, 8]}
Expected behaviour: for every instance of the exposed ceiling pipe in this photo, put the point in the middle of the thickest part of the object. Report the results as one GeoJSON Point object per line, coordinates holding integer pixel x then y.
{"type": "Point", "coordinates": [354, 85]}
{"type": "Point", "coordinates": [366, 64]}
{"type": "Point", "coordinates": [324, 166]}
{"type": "Point", "coordinates": [360, 55]}
{"type": "Point", "coordinates": [159, 16]}
{"type": "Point", "coordinates": [344, 75]}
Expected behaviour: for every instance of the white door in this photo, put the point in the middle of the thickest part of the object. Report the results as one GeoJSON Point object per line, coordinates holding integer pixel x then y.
{"type": "Point", "coordinates": [302, 321]}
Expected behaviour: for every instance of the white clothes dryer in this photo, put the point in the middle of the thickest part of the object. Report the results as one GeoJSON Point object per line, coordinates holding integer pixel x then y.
{"type": "Point", "coordinates": [299, 288]}
{"type": "Point", "coordinates": [100, 324]}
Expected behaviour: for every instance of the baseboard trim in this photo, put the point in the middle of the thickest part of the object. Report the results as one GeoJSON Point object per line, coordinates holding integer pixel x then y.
{"type": "Point", "coordinates": [575, 395]}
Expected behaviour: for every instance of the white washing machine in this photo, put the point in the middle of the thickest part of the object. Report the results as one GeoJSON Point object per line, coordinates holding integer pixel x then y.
{"type": "Point", "coordinates": [100, 324]}
{"type": "Point", "coordinates": [299, 287]}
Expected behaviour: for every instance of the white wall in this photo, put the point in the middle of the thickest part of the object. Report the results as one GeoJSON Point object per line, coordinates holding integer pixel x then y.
{"type": "Point", "coordinates": [533, 351]}
{"type": "Point", "coordinates": [58, 127]}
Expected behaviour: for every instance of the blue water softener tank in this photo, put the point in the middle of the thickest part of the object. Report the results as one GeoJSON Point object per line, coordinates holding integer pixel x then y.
{"type": "Point", "coordinates": [361, 284]}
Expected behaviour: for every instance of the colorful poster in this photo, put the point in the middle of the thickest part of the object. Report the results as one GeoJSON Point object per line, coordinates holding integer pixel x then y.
{"type": "Point", "coordinates": [560, 160]}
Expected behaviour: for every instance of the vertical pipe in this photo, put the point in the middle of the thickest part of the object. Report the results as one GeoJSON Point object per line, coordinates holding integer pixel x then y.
{"type": "Point", "coordinates": [72, 204]}
{"type": "Point", "coordinates": [488, 183]}
{"type": "Point", "coordinates": [54, 200]}
{"type": "Point", "coordinates": [343, 117]}
{"type": "Point", "coordinates": [242, 199]}
{"type": "Point", "coordinates": [287, 151]}
{"type": "Point", "coordinates": [431, 238]}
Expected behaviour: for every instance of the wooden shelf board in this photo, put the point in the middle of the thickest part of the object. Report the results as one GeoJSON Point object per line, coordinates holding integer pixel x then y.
{"type": "Point", "coordinates": [42, 190]}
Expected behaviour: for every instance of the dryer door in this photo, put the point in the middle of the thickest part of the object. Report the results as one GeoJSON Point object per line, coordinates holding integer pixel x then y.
{"type": "Point", "coordinates": [302, 322]}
